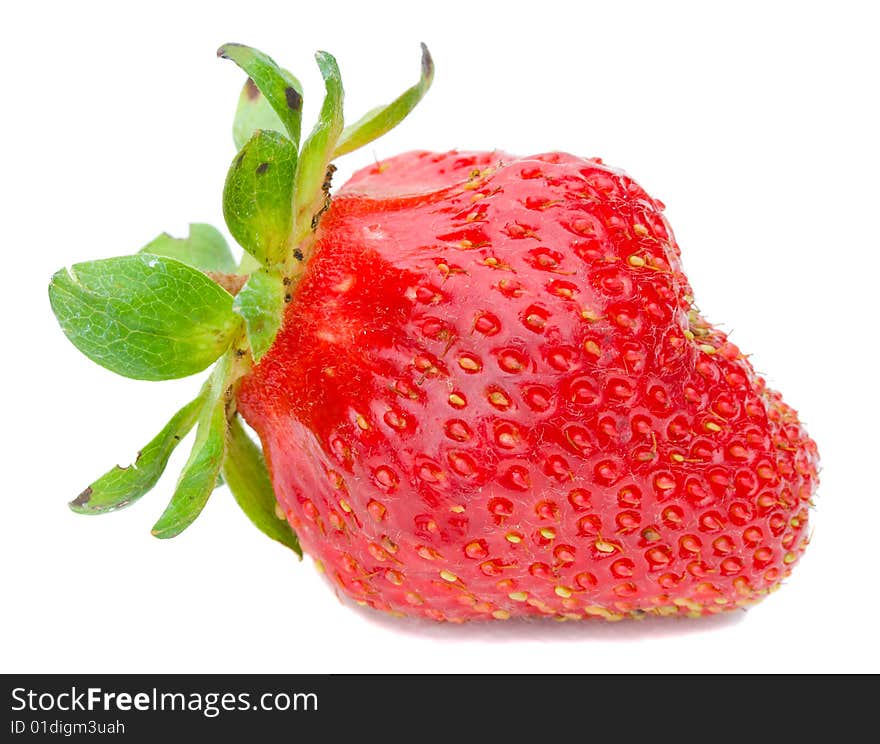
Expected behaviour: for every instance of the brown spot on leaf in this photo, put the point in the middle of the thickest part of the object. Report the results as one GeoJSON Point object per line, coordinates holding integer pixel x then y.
{"type": "Point", "coordinates": [83, 498]}
{"type": "Point", "coordinates": [232, 283]}
{"type": "Point", "coordinates": [251, 90]}
{"type": "Point", "coordinates": [427, 63]}
{"type": "Point", "coordinates": [294, 99]}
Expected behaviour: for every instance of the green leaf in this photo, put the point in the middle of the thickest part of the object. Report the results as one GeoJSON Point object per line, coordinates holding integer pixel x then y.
{"type": "Point", "coordinates": [261, 303]}
{"type": "Point", "coordinates": [253, 112]}
{"type": "Point", "coordinates": [318, 148]}
{"type": "Point", "coordinates": [248, 479]}
{"type": "Point", "coordinates": [199, 476]}
{"type": "Point", "coordinates": [248, 264]}
{"type": "Point", "coordinates": [144, 316]}
{"type": "Point", "coordinates": [205, 249]}
{"type": "Point", "coordinates": [281, 89]}
{"type": "Point", "coordinates": [382, 119]}
{"type": "Point", "coordinates": [258, 196]}
{"type": "Point", "coordinates": [121, 487]}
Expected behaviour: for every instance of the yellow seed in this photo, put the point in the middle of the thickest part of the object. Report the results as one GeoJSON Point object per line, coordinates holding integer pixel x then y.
{"type": "Point", "coordinates": [512, 537]}
{"type": "Point", "coordinates": [712, 426]}
{"type": "Point", "coordinates": [677, 457]}
{"type": "Point", "coordinates": [789, 558]}
{"type": "Point", "coordinates": [448, 576]}
{"type": "Point", "coordinates": [468, 363]}
{"type": "Point", "coordinates": [394, 577]}
{"type": "Point", "coordinates": [689, 335]}
{"type": "Point", "coordinates": [605, 547]}
{"type": "Point", "coordinates": [501, 615]}
{"type": "Point", "coordinates": [688, 603]}
{"type": "Point", "coordinates": [457, 509]}
{"type": "Point", "coordinates": [640, 229]}
{"type": "Point", "coordinates": [518, 596]}
{"type": "Point", "coordinates": [707, 349]}
{"type": "Point", "coordinates": [588, 314]}
{"type": "Point", "coordinates": [456, 400]}
{"type": "Point", "coordinates": [498, 399]}
{"type": "Point", "coordinates": [592, 348]}
{"type": "Point", "coordinates": [603, 612]}
{"type": "Point", "coordinates": [319, 565]}
{"type": "Point", "coordinates": [563, 591]}
{"type": "Point", "coordinates": [547, 532]}
{"type": "Point", "coordinates": [345, 507]}
{"type": "Point", "coordinates": [636, 261]}
{"type": "Point", "coordinates": [542, 606]}
{"type": "Point", "coordinates": [362, 422]}
{"type": "Point", "coordinates": [279, 512]}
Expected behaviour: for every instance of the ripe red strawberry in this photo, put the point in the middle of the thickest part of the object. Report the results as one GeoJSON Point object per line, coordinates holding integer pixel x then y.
{"type": "Point", "coordinates": [491, 394]}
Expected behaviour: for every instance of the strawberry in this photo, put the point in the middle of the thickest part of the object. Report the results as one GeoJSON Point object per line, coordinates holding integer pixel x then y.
{"type": "Point", "coordinates": [480, 382]}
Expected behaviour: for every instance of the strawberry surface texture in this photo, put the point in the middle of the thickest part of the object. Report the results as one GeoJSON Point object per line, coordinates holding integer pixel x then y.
{"type": "Point", "coordinates": [492, 395]}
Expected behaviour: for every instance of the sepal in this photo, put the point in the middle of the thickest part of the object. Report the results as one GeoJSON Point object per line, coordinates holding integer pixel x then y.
{"type": "Point", "coordinates": [248, 479]}
{"type": "Point", "coordinates": [383, 119]}
{"type": "Point", "coordinates": [282, 90]}
{"type": "Point", "coordinates": [144, 316]}
{"type": "Point", "coordinates": [204, 248]}
{"type": "Point", "coordinates": [199, 476]}
{"type": "Point", "coordinates": [122, 486]}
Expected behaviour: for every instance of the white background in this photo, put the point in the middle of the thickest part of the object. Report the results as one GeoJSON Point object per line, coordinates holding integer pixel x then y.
{"type": "Point", "coordinates": [757, 125]}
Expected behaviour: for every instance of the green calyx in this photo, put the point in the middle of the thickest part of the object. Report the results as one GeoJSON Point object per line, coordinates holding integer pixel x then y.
{"type": "Point", "coordinates": [180, 304]}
